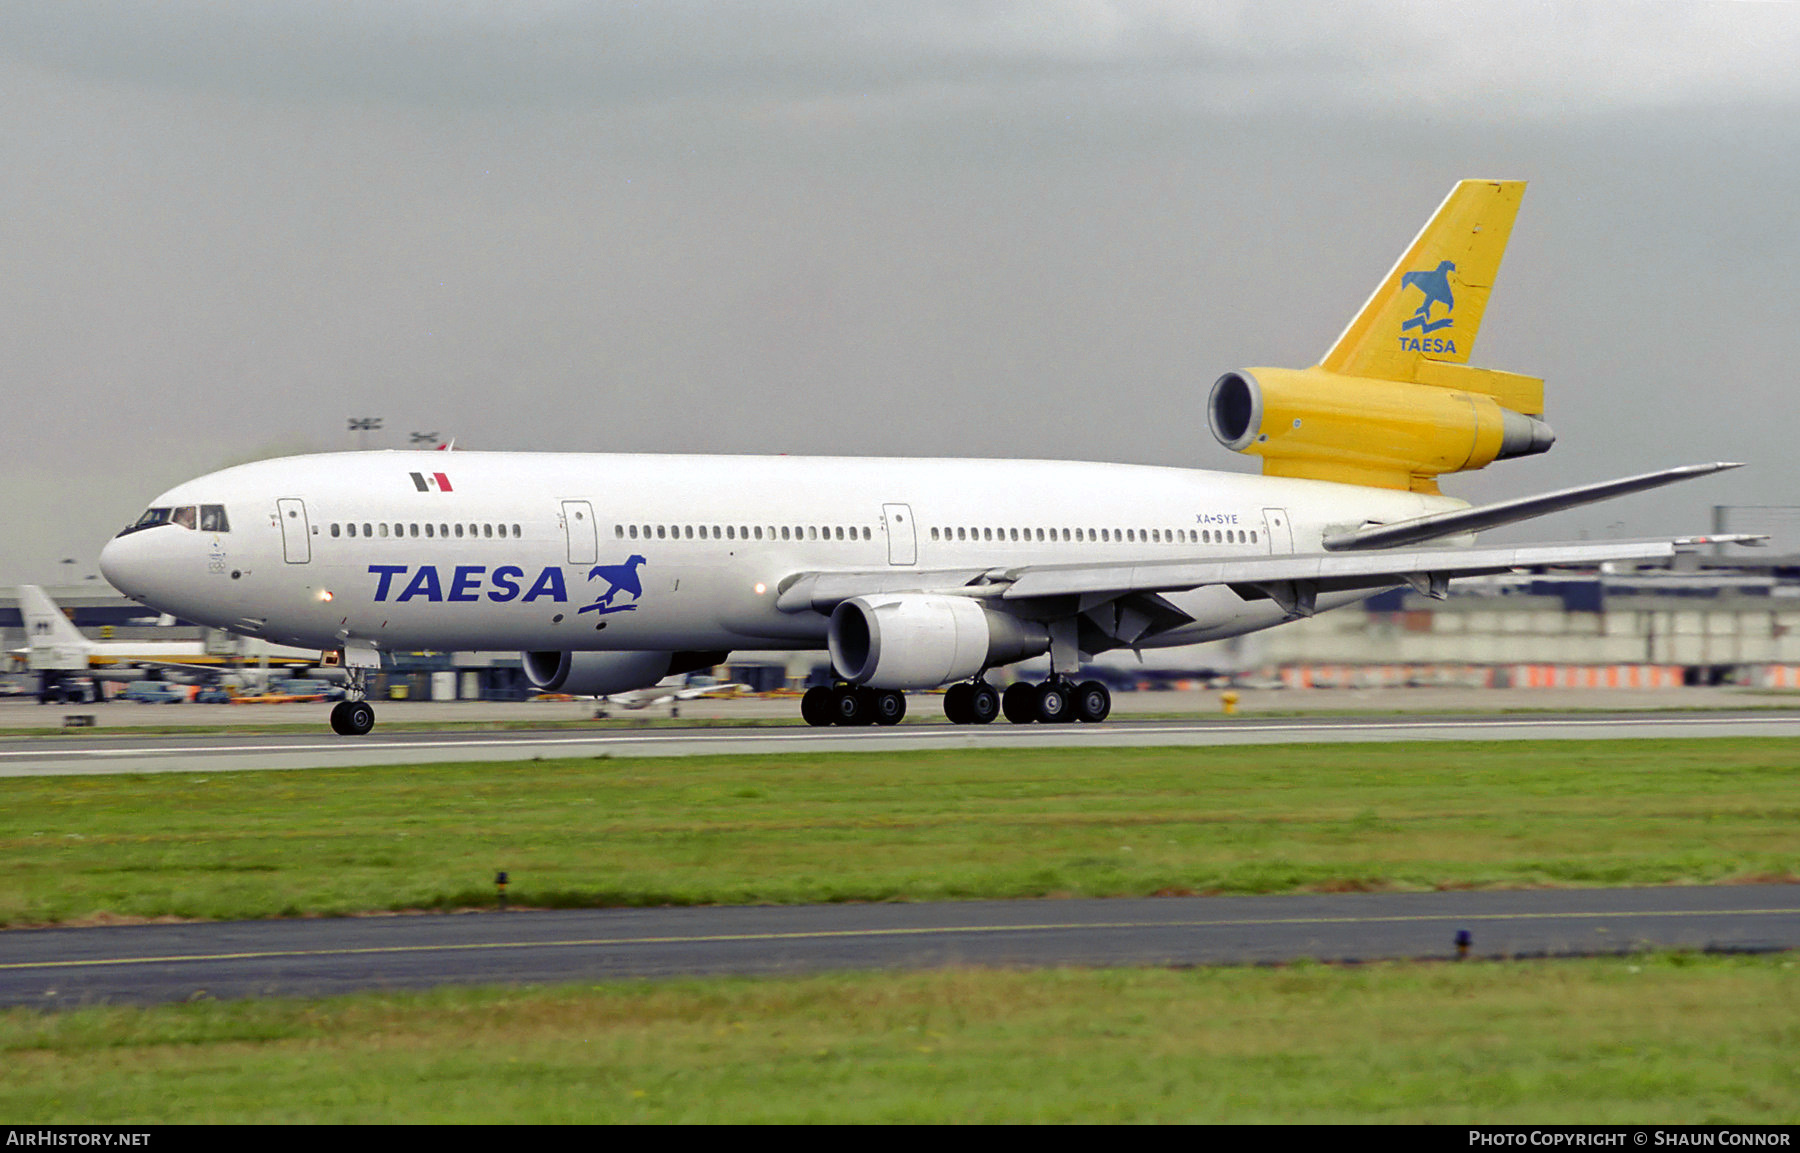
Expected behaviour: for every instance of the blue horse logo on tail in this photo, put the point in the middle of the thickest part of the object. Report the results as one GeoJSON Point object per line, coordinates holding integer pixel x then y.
{"type": "Point", "coordinates": [1435, 284]}
{"type": "Point", "coordinates": [621, 578]}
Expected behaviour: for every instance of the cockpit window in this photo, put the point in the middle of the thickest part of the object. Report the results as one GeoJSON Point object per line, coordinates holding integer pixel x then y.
{"type": "Point", "coordinates": [206, 518]}
{"type": "Point", "coordinates": [151, 518]}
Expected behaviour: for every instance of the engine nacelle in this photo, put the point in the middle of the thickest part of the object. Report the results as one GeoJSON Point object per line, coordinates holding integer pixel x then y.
{"type": "Point", "coordinates": [597, 674]}
{"type": "Point", "coordinates": [919, 641]}
{"type": "Point", "coordinates": [1362, 430]}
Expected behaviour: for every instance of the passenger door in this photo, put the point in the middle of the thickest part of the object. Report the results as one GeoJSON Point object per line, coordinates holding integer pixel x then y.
{"type": "Point", "coordinates": [296, 534]}
{"type": "Point", "coordinates": [584, 536]}
{"type": "Point", "coordinates": [1277, 531]}
{"type": "Point", "coordinates": [903, 543]}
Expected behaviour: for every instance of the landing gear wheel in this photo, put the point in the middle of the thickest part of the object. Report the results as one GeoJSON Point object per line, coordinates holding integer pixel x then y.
{"type": "Point", "coordinates": [956, 703]}
{"type": "Point", "coordinates": [1093, 702]}
{"type": "Point", "coordinates": [888, 706]}
{"type": "Point", "coordinates": [816, 707]}
{"type": "Point", "coordinates": [1019, 702]}
{"type": "Point", "coordinates": [352, 718]}
{"type": "Point", "coordinates": [1055, 703]}
{"type": "Point", "coordinates": [984, 703]}
{"type": "Point", "coordinates": [850, 706]}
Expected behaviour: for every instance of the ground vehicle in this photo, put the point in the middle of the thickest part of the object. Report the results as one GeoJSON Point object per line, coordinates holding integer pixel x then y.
{"type": "Point", "coordinates": [155, 693]}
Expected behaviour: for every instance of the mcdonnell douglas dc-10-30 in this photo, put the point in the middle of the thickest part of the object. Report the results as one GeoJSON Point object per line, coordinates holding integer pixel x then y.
{"type": "Point", "coordinates": [610, 572]}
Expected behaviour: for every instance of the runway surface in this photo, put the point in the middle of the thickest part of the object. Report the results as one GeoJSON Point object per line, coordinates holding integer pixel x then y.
{"type": "Point", "coordinates": [158, 963]}
{"type": "Point", "coordinates": [120, 752]}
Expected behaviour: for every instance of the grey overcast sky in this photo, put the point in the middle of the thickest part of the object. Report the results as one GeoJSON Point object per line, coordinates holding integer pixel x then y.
{"type": "Point", "coordinates": [915, 228]}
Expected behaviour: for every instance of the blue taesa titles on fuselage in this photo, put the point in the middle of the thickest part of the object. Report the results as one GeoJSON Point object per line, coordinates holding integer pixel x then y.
{"type": "Point", "coordinates": [473, 582]}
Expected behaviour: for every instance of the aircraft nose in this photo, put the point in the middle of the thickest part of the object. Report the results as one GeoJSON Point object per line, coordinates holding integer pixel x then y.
{"type": "Point", "coordinates": [115, 565]}
{"type": "Point", "coordinates": [130, 564]}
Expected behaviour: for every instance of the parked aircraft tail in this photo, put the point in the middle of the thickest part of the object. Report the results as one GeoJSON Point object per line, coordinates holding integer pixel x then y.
{"type": "Point", "coordinates": [1394, 403]}
{"type": "Point", "coordinates": [53, 640]}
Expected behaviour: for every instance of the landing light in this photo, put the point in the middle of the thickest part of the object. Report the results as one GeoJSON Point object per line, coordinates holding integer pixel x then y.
{"type": "Point", "coordinates": [761, 588]}
{"type": "Point", "coordinates": [324, 594]}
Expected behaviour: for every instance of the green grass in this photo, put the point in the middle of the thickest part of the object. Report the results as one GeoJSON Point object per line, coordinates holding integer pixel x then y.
{"type": "Point", "coordinates": [805, 827]}
{"type": "Point", "coordinates": [1669, 1038]}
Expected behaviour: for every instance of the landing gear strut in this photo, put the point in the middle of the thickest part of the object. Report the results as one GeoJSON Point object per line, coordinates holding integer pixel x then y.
{"type": "Point", "coordinates": [354, 716]}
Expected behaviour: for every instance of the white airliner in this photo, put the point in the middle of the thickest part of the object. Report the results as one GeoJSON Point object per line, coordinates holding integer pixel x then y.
{"type": "Point", "coordinates": [610, 572]}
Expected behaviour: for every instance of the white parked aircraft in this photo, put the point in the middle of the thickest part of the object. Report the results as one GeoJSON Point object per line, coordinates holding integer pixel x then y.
{"type": "Point", "coordinates": [60, 654]}
{"type": "Point", "coordinates": [672, 693]}
{"type": "Point", "coordinates": [610, 572]}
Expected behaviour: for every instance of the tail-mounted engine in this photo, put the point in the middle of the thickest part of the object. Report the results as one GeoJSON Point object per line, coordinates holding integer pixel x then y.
{"type": "Point", "coordinates": [1361, 430]}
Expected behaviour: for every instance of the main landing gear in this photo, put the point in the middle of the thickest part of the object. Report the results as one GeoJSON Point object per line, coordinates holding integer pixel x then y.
{"type": "Point", "coordinates": [1056, 701]}
{"type": "Point", "coordinates": [851, 705]}
{"type": "Point", "coordinates": [976, 702]}
{"type": "Point", "coordinates": [354, 716]}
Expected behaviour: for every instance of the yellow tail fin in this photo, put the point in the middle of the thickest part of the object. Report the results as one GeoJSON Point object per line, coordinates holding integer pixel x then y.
{"type": "Point", "coordinates": [1428, 307]}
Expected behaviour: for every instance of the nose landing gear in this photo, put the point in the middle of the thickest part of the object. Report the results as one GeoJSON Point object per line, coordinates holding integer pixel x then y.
{"type": "Point", "coordinates": [354, 716]}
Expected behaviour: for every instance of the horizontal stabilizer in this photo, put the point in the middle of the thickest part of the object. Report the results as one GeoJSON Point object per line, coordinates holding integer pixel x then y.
{"type": "Point", "coordinates": [1467, 520]}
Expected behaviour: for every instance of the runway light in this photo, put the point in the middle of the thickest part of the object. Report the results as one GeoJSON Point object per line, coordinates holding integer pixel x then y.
{"type": "Point", "coordinates": [1463, 941]}
{"type": "Point", "coordinates": [500, 885]}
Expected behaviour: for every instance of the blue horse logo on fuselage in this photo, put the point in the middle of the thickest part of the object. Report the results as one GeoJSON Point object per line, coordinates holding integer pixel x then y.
{"type": "Point", "coordinates": [1435, 284]}
{"type": "Point", "coordinates": [620, 578]}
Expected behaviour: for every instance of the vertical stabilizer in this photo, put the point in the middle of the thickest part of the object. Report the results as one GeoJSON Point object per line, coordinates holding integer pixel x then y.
{"type": "Point", "coordinates": [54, 641]}
{"type": "Point", "coordinates": [1428, 307]}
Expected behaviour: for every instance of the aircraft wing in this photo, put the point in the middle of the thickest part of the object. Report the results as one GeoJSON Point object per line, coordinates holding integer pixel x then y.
{"type": "Point", "coordinates": [1292, 580]}
{"type": "Point", "coordinates": [1302, 576]}
{"type": "Point", "coordinates": [1478, 519]}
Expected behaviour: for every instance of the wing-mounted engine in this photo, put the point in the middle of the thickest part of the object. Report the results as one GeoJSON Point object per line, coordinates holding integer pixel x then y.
{"type": "Point", "coordinates": [922, 640]}
{"type": "Point", "coordinates": [585, 674]}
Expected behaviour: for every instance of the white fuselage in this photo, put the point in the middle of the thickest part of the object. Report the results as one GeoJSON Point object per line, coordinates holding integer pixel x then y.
{"type": "Point", "coordinates": [543, 551]}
